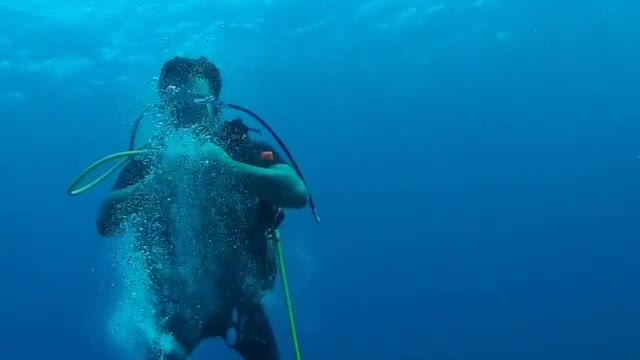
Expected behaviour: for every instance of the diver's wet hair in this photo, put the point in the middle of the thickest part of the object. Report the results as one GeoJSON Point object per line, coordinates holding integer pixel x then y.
{"type": "Point", "coordinates": [179, 71]}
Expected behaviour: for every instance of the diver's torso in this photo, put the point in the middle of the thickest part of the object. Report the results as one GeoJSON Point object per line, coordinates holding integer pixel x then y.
{"type": "Point", "coordinates": [202, 224]}
{"type": "Point", "coordinates": [200, 227]}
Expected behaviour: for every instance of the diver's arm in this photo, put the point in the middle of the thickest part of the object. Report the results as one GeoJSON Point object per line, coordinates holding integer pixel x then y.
{"type": "Point", "coordinates": [112, 211]}
{"type": "Point", "coordinates": [129, 192]}
{"type": "Point", "coordinates": [278, 184]}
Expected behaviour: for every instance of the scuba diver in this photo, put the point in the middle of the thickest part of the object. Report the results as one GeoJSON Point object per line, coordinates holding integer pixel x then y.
{"type": "Point", "coordinates": [258, 184]}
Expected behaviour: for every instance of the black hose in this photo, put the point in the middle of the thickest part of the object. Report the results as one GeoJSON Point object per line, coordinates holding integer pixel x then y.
{"type": "Point", "coordinates": [285, 149]}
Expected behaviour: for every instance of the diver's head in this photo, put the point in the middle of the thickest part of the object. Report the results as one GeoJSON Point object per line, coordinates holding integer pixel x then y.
{"type": "Point", "coordinates": [183, 84]}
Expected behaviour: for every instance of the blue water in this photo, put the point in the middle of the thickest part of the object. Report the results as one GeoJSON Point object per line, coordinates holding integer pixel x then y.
{"type": "Point", "coordinates": [475, 164]}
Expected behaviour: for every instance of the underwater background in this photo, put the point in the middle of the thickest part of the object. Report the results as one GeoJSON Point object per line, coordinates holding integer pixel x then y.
{"type": "Point", "coordinates": [474, 162]}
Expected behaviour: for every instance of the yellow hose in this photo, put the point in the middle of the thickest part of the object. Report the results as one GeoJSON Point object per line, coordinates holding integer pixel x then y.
{"type": "Point", "coordinates": [124, 155]}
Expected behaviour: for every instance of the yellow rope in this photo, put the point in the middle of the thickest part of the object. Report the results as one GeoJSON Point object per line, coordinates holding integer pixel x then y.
{"type": "Point", "coordinates": [287, 296]}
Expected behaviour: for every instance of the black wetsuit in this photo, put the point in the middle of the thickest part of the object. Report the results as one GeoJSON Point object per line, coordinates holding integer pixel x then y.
{"type": "Point", "coordinates": [254, 336]}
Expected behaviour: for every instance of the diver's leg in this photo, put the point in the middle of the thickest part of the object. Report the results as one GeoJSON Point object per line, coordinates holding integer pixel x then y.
{"type": "Point", "coordinates": [157, 354]}
{"type": "Point", "coordinates": [178, 351]}
{"type": "Point", "coordinates": [174, 337]}
{"type": "Point", "coordinates": [255, 337]}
